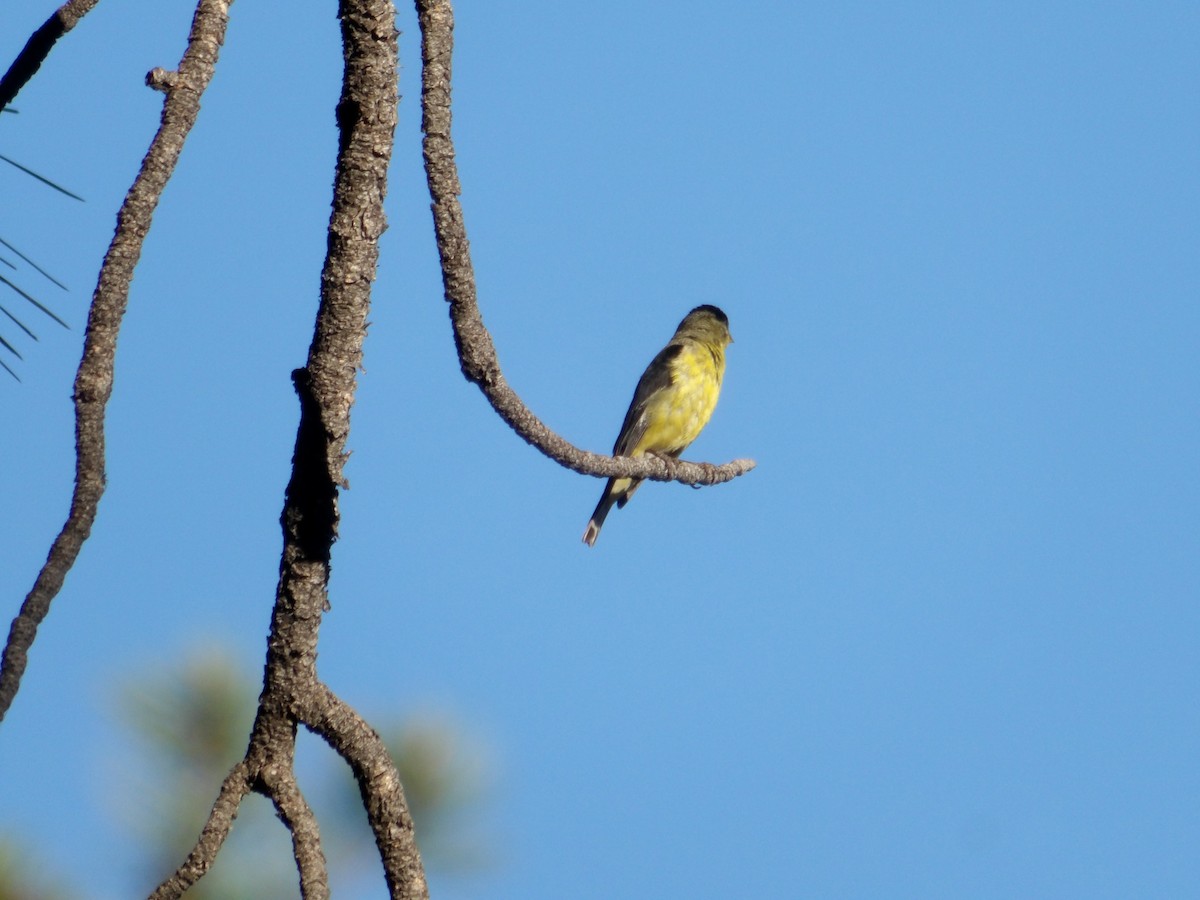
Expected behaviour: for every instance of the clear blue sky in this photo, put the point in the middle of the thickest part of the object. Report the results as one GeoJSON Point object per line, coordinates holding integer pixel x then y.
{"type": "Point", "coordinates": [941, 643]}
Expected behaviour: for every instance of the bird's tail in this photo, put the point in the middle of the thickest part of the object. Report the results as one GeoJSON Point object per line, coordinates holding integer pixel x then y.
{"type": "Point", "coordinates": [607, 499]}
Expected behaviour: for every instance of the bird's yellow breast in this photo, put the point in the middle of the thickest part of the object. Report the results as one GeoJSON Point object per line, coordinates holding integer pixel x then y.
{"type": "Point", "coordinates": [676, 415]}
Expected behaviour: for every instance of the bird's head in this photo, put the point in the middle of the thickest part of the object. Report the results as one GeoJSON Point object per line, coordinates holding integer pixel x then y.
{"type": "Point", "coordinates": [706, 323]}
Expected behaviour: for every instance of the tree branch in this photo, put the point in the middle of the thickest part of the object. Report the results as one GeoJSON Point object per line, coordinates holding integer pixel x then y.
{"type": "Point", "coordinates": [236, 786]}
{"type": "Point", "coordinates": [93, 383]}
{"type": "Point", "coordinates": [379, 784]}
{"type": "Point", "coordinates": [280, 785]}
{"type": "Point", "coordinates": [476, 352]}
{"type": "Point", "coordinates": [38, 47]}
{"type": "Point", "coordinates": [292, 693]}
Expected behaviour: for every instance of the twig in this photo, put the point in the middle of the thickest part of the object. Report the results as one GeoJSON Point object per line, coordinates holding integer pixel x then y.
{"type": "Point", "coordinates": [279, 784]}
{"type": "Point", "coordinates": [93, 383]}
{"type": "Point", "coordinates": [379, 784]}
{"type": "Point", "coordinates": [476, 352]}
{"type": "Point", "coordinates": [38, 47]}
{"type": "Point", "coordinates": [236, 786]}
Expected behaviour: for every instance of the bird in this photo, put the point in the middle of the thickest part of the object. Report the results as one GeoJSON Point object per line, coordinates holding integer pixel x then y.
{"type": "Point", "coordinates": [674, 400]}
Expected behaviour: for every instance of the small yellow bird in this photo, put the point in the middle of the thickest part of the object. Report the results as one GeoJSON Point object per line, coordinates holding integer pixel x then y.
{"type": "Point", "coordinates": [674, 400]}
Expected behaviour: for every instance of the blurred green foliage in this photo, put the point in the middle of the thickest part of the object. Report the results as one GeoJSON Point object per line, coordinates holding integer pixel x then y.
{"type": "Point", "coordinates": [190, 724]}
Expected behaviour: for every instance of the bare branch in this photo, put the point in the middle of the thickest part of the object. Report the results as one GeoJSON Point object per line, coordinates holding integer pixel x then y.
{"type": "Point", "coordinates": [367, 119]}
{"type": "Point", "coordinates": [93, 383]}
{"type": "Point", "coordinates": [236, 786]}
{"type": "Point", "coordinates": [279, 784]}
{"type": "Point", "coordinates": [379, 784]}
{"type": "Point", "coordinates": [292, 694]}
{"type": "Point", "coordinates": [476, 352]}
{"type": "Point", "coordinates": [38, 47]}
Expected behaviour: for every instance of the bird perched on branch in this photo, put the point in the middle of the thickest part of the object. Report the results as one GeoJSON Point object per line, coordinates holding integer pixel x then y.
{"type": "Point", "coordinates": [674, 400]}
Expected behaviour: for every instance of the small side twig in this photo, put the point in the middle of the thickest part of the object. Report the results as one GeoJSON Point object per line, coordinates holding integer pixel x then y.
{"type": "Point", "coordinates": [379, 785]}
{"type": "Point", "coordinates": [279, 784]}
{"type": "Point", "coordinates": [94, 380]}
{"type": "Point", "coordinates": [476, 351]}
{"type": "Point", "coordinates": [237, 784]}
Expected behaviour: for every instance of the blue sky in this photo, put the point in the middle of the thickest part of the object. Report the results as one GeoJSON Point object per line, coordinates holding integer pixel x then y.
{"type": "Point", "coordinates": [941, 642]}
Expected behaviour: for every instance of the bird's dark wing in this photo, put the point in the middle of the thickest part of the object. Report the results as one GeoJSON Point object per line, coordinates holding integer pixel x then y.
{"type": "Point", "coordinates": [657, 377]}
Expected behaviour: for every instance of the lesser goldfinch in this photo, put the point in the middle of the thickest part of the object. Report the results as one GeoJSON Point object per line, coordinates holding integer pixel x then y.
{"type": "Point", "coordinates": [674, 400]}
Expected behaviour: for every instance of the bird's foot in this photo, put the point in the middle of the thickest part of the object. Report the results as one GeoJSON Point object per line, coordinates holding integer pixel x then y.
{"type": "Point", "coordinates": [670, 462]}
{"type": "Point", "coordinates": [709, 469]}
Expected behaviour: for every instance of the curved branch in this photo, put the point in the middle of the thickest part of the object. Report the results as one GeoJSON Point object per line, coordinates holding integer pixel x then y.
{"type": "Point", "coordinates": [38, 47]}
{"type": "Point", "coordinates": [476, 352]}
{"type": "Point", "coordinates": [379, 784]}
{"type": "Point", "coordinates": [236, 786]}
{"type": "Point", "coordinates": [93, 383]}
